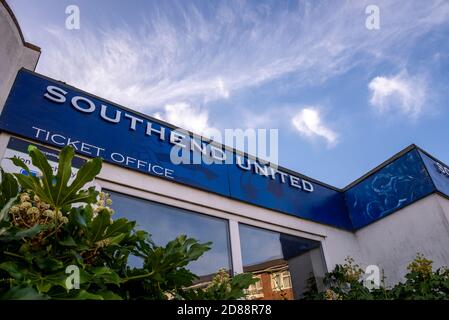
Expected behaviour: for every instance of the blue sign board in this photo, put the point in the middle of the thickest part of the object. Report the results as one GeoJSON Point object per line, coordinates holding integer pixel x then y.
{"type": "Point", "coordinates": [56, 114]}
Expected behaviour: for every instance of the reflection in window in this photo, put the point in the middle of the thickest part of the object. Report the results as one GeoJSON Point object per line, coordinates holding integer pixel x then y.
{"type": "Point", "coordinates": [254, 291]}
{"type": "Point", "coordinates": [165, 223]}
{"type": "Point", "coordinates": [281, 280]}
{"type": "Point", "coordinates": [283, 263]}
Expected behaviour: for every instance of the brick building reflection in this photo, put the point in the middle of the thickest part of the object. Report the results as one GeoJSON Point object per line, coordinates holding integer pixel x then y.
{"type": "Point", "coordinates": [274, 281]}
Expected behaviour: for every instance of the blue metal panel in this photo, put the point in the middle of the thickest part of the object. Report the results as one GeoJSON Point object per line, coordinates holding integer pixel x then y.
{"type": "Point", "coordinates": [396, 185]}
{"type": "Point", "coordinates": [322, 205]}
{"type": "Point", "coordinates": [439, 172]}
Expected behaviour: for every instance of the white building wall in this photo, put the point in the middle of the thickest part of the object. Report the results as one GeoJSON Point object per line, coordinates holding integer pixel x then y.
{"type": "Point", "coordinates": [14, 52]}
{"type": "Point", "coordinates": [393, 242]}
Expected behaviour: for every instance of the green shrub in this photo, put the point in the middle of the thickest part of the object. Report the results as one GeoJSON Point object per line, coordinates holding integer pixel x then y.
{"type": "Point", "coordinates": [421, 282]}
{"type": "Point", "coordinates": [44, 229]}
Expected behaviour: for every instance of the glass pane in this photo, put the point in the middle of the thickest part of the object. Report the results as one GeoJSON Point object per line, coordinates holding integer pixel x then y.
{"type": "Point", "coordinates": [287, 280]}
{"type": "Point", "coordinates": [284, 262]}
{"type": "Point", "coordinates": [165, 223]}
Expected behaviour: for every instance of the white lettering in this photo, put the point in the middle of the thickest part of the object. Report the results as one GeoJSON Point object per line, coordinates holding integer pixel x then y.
{"type": "Point", "coordinates": [177, 138]}
{"type": "Point", "coordinates": [134, 121]}
{"type": "Point", "coordinates": [261, 170]}
{"type": "Point", "coordinates": [294, 182]}
{"type": "Point", "coordinates": [150, 129]}
{"type": "Point", "coordinates": [60, 142]}
{"type": "Point", "coordinates": [240, 163]}
{"type": "Point", "coordinates": [117, 157]}
{"type": "Point", "coordinates": [103, 114]}
{"type": "Point", "coordinates": [91, 105]}
{"type": "Point", "coordinates": [55, 94]}
{"type": "Point", "coordinates": [130, 160]}
{"type": "Point", "coordinates": [307, 186]}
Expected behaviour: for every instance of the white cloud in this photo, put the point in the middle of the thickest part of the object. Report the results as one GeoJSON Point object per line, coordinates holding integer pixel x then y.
{"type": "Point", "coordinates": [309, 123]}
{"type": "Point", "coordinates": [185, 116]}
{"type": "Point", "coordinates": [400, 93]}
{"type": "Point", "coordinates": [200, 54]}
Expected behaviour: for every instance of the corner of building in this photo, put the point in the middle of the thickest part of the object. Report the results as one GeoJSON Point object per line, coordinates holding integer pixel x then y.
{"type": "Point", "coordinates": [15, 53]}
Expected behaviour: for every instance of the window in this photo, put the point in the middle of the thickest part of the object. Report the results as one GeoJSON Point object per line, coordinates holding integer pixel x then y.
{"type": "Point", "coordinates": [165, 223]}
{"type": "Point", "coordinates": [256, 289]}
{"type": "Point", "coordinates": [283, 262]}
{"type": "Point", "coordinates": [281, 281]}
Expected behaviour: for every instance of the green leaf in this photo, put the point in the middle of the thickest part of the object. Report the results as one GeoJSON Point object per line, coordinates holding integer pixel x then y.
{"type": "Point", "coordinates": [84, 175]}
{"type": "Point", "coordinates": [106, 275]}
{"type": "Point", "coordinates": [68, 242]}
{"type": "Point", "coordinates": [27, 183]}
{"type": "Point", "coordinates": [43, 286]}
{"type": "Point", "coordinates": [85, 196]}
{"type": "Point", "coordinates": [31, 232]}
{"type": "Point", "coordinates": [109, 295]}
{"type": "Point", "coordinates": [118, 238]}
{"type": "Point", "coordinates": [41, 162]}
{"type": "Point", "coordinates": [119, 226]}
{"type": "Point", "coordinates": [84, 295]}
{"type": "Point", "coordinates": [99, 225]}
{"type": "Point", "coordinates": [78, 216]}
{"type": "Point", "coordinates": [13, 269]}
{"type": "Point", "coordinates": [19, 163]}
{"type": "Point", "coordinates": [9, 187]}
{"type": "Point", "coordinates": [57, 279]}
{"type": "Point", "coordinates": [23, 293]}
{"type": "Point", "coordinates": [49, 264]}
{"type": "Point", "coordinates": [98, 271]}
{"type": "Point", "coordinates": [5, 209]}
{"type": "Point", "coordinates": [64, 172]}
{"type": "Point", "coordinates": [54, 189]}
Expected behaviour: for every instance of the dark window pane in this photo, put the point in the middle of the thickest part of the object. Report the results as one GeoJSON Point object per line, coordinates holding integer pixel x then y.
{"type": "Point", "coordinates": [284, 263]}
{"type": "Point", "coordinates": [165, 223]}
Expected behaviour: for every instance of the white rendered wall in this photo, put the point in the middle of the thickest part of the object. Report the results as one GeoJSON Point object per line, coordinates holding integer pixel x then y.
{"type": "Point", "coordinates": [14, 53]}
{"type": "Point", "coordinates": [393, 242]}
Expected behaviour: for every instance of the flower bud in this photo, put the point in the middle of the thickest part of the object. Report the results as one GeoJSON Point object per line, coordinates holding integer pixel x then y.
{"type": "Point", "coordinates": [14, 209]}
{"type": "Point", "coordinates": [49, 214]}
{"type": "Point", "coordinates": [24, 197]}
{"type": "Point", "coordinates": [33, 211]}
{"type": "Point", "coordinates": [24, 206]}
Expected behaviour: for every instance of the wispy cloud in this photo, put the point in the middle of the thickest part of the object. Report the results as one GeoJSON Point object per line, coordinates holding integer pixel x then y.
{"type": "Point", "coordinates": [185, 116]}
{"type": "Point", "coordinates": [400, 93]}
{"type": "Point", "coordinates": [206, 51]}
{"type": "Point", "coordinates": [309, 123]}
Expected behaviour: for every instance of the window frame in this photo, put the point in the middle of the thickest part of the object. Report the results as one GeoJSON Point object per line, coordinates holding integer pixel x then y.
{"type": "Point", "coordinates": [281, 275]}
{"type": "Point", "coordinates": [232, 218]}
{"type": "Point", "coordinates": [187, 212]}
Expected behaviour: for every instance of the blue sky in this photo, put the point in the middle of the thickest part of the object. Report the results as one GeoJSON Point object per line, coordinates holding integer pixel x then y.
{"type": "Point", "coordinates": [343, 97]}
